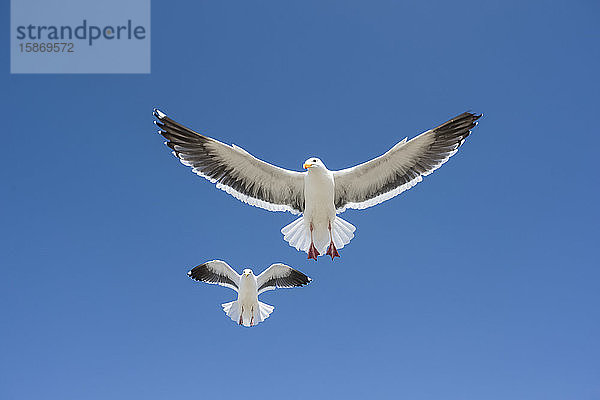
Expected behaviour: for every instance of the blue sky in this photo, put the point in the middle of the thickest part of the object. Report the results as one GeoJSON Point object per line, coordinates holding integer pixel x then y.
{"type": "Point", "coordinates": [479, 283]}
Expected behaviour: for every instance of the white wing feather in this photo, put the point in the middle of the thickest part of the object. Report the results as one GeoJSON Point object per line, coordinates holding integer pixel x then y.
{"type": "Point", "coordinates": [280, 276]}
{"type": "Point", "coordinates": [234, 170]}
{"type": "Point", "coordinates": [401, 167]}
{"type": "Point", "coordinates": [216, 272]}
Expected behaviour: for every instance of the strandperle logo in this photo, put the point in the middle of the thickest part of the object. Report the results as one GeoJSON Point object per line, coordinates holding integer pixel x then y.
{"type": "Point", "coordinates": [85, 31]}
{"type": "Point", "coordinates": [80, 36]}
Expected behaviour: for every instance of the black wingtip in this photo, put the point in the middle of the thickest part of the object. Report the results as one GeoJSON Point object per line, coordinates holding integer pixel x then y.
{"type": "Point", "coordinates": [193, 273]}
{"type": "Point", "coordinates": [191, 276]}
{"type": "Point", "coordinates": [158, 114]}
{"type": "Point", "coordinates": [303, 279]}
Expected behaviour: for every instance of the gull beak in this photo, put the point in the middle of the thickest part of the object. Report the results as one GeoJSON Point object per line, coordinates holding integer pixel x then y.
{"type": "Point", "coordinates": [307, 165]}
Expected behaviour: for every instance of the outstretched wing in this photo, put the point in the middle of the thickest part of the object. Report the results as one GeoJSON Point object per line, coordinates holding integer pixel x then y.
{"type": "Point", "coordinates": [402, 167]}
{"type": "Point", "coordinates": [216, 272]}
{"type": "Point", "coordinates": [280, 276]}
{"type": "Point", "coordinates": [234, 170]}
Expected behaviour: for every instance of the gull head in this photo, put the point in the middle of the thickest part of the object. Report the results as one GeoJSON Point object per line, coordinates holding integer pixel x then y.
{"type": "Point", "coordinates": [314, 163]}
{"type": "Point", "coordinates": [247, 272]}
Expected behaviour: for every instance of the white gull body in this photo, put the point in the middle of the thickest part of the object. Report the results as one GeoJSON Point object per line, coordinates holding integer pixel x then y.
{"type": "Point", "coordinates": [247, 307]}
{"type": "Point", "coordinates": [319, 209]}
{"type": "Point", "coordinates": [319, 224]}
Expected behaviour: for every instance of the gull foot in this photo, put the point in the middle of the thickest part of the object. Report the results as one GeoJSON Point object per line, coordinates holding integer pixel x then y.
{"type": "Point", "coordinates": [312, 252]}
{"type": "Point", "coordinates": [332, 251]}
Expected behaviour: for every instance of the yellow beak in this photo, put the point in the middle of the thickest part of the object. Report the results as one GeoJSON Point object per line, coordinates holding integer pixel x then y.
{"type": "Point", "coordinates": [307, 165]}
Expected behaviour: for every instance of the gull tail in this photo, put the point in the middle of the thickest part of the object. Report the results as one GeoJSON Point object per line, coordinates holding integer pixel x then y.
{"type": "Point", "coordinates": [297, 234]}
{"type": "Point", "coordinates": [342, 232]}
{"type": "Point", "coordinates": [233, 311]}
{"type": "Point", "coordinates": [265, 311]}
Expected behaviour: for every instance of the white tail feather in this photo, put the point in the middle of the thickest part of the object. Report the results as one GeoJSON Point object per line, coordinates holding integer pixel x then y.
{"type": "Point", "coordinates": [297, 234]}
{"type": "Point", "coordinates": [265, 310]}
{"type": "Point", "coordinates": [232, 309]}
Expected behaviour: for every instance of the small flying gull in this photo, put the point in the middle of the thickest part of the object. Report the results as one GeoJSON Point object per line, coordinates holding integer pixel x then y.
{"type": "Point", "coordinates": [247, 310]}
{"type": "Point", "coordinates": [318, 194]}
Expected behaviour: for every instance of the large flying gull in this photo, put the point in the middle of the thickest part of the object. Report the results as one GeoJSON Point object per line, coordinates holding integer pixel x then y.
{"type": "Point", "coordinates": [247, 310]}
{"type": "Point", "coordinates": [317, 194]}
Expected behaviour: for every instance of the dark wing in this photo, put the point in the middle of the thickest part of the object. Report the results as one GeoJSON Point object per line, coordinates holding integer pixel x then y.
{"type": "Point", "coordinates": [280, 276]}
{"type": "Point", "coordinates": [402, 167]}
{"type": "Point", "coordinates": [216, 272]}
{"type": "Point", "coordinates": [234, 170]}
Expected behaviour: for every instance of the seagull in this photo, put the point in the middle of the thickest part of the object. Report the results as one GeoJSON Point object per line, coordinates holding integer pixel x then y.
{"type": "Point", "coordinates": [247, 310]}
{"type": "Point", "coordinates": [317, 195]}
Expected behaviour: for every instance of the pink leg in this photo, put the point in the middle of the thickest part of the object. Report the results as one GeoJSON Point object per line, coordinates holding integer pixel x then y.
{"type": "Point", "coordinates": [331, 250]}
{"type": "Point", "coordinates": [252, 318]}
{"type": "Point", "coordinates": [312, 250]}
{"type": "Point", "coordinates": [241, 316]}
